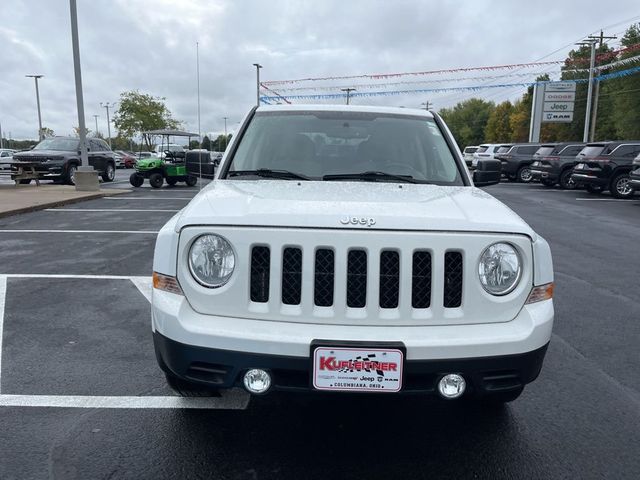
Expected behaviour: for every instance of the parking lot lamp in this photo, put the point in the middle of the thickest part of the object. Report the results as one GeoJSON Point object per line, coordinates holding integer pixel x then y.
{"type": "Point", "coordinates": [258, 67]}
{"type": "Point", "coordinates": [36, 77]}
{"type": "Point", "coordinates": [107, 106]}
{"type": "Point", "coordinates": [86, 178]}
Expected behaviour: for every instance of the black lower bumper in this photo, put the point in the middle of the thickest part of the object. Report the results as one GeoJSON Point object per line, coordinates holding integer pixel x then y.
{"type": "Point", "coordinates": [224, 368]}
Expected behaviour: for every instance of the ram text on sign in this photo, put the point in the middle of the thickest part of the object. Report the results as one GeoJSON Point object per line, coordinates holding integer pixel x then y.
{"type": "Point", "coordinates": [557, 117]}
{"type": "Point", "coordinates": [559, 96]}
{"type": "Point", "coordinates": [558, 107]}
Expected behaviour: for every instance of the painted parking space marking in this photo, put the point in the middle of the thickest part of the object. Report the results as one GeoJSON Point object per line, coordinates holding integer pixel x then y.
{"type": "Point", "coordinates": [234, 399]}
{"type": "Point", "coordinates": [148, 198]}
{"type": "Point", "coordinates": [141, 232]}
{"type": "Point", "coordinates": [604, 199]}
{"type": "Point", "coordinates": [3, 295]}
{"type": "Point", "coordinates": [129, 210]}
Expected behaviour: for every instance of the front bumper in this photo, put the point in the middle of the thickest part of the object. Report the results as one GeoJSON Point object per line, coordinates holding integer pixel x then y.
{"type": "Point", "coordinates": [215, 350]}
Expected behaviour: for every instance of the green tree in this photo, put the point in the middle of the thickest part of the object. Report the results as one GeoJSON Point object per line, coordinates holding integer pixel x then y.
{"type": "Point", "coordinates": [139, 112]}
{"type": "Point", "coordinates": [220, 143]}
{"type": "Point", "coordinates": [625, 91]}
{"type": "Point", "coordinates": [498, 127]}
{"type": "Point", "coordinates": [193, 144]}
{"type": "Point", "coordinates": [468, 120]}
{"type": "Point", "coordinates": [47, 132]}
{"type": "Point", "coordinates": [206, 143]}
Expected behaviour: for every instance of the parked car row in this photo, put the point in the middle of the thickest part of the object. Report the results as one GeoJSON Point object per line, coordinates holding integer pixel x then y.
{"type": "Point", "coordinates": [597, 166]}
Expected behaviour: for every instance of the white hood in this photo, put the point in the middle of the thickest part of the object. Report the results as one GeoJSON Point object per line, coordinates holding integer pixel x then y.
{"type": "Point", "coordinates": [316, 204]}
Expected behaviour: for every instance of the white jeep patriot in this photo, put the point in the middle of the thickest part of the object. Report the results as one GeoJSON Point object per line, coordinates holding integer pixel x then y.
{"type": "Point", "coordinates": [346, 248]}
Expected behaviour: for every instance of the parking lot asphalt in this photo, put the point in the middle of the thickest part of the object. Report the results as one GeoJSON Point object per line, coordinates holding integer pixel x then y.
{"type": "Point", "coordinates": [81, 395]}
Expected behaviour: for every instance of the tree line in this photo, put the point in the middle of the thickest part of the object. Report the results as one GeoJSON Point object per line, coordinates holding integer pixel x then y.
{"type": "Point", "coordinates": [477, 121]}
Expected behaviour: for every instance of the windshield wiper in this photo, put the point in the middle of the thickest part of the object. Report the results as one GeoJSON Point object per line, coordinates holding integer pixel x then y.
{"type": "Point", "coordinates": [268, 173]}
{"type": "Point", "coordinates": [372, 176]}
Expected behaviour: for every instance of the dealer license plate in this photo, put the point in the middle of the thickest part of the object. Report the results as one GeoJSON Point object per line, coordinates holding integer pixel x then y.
{"type": "Point", "coordinates": [357, 369]}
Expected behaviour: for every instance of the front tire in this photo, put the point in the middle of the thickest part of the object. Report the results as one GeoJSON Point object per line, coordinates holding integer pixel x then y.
{"type": "Point", "coordinates": [524, 174]}
{"type": "Point", "coordinates": [109, 174]}
{"type": "Point", "coordinates": [136, 179]}
{"type": "Point", "coordinates": [156, 180]}
{"type": "Point", "coordinates": [70, 177]}
{"type": "Point", "coordinates": [620, 186]}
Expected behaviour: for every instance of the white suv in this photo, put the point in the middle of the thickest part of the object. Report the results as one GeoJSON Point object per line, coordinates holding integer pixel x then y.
{"type": "Point", "coordinates": [346, 248]}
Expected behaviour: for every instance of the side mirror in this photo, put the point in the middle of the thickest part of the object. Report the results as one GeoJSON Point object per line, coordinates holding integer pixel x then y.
{"type": "Point", "coordinates": [487, 172]}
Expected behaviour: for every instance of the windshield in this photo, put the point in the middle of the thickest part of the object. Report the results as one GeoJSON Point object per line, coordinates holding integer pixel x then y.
{"type": "Point", "coordinates": [315, 144]}
{"type": "Point", "coordinates": [61, 144]}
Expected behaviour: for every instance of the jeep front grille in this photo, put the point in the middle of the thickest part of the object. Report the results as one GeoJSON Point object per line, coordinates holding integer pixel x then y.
{"type": "Point", "coordinates": [359, 268]}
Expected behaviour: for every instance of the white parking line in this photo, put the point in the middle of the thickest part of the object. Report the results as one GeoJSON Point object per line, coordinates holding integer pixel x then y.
{"type": "Point", "coordinates": [106, 210]}
{"type": "Point", "coordinates": [234, 399]}
{"type": "Point", "coordinates": [87, 277]}
{"type": "Point", "coordinates": [603, 199]}
{"type": "Point", "coordinates": [3, 294]}
{"type": "Point", "coordinates": [148, 198]}
{"type": "Point", "coordinates": [141, 232]}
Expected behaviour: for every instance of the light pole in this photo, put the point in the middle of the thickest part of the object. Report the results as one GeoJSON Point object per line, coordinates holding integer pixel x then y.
{"type": "Point", "coordinates": [258, 67]}
{"type": "Point", "coordinates": [86, 178]}
{"type": "Point", "coordinates": [108, 106]}
{"type": "Point", "coordinates": [36, 77]}
{"type": "Point", "coordinates": [198, 80]}
{"type": "Point", "coordinates": [587, 118]}
{"type": "Point", "coordinates": [96, 118]}
{"type": "Point", "coordinates": [225, 133]}
{"type": "Point", "coordinates": [348, 90]}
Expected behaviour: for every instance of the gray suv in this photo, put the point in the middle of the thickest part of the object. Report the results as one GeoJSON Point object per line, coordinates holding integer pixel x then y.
{"type": "Point", "coordinates": [516, 162]}
{"type": "Point", "coordinates": [58, 158]}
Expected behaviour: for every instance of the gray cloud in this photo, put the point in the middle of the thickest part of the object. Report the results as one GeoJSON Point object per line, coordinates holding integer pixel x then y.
{"type": "Point", "coordinates": [150, 45]}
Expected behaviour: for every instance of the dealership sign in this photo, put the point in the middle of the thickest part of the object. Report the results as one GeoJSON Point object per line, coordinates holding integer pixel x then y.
{"type": "Point", "coordinates": [558, 101]}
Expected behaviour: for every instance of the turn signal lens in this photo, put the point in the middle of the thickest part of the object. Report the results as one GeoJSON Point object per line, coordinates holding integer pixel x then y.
{"type": "Point", "coordinates": [543, 292]}
{"type": "Point", "coordinates": [166, 283]}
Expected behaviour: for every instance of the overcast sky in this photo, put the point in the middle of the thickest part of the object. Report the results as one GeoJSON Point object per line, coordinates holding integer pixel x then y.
{"type": "Point", "coordinates": [150, 45]}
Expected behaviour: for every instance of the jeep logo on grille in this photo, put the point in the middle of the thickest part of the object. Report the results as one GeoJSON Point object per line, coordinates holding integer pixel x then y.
{"type": "Point", "coordinates": [368, 221]}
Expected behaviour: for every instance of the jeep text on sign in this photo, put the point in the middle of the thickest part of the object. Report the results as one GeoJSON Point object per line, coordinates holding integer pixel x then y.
{"type": "Point", "coordinates": [558, 106]}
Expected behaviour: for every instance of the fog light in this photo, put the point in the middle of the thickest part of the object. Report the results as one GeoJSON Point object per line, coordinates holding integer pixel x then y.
{"type": "Point", "coordinates": [257, 381]}
{"type": "Point", "coordinates": [451, 386]}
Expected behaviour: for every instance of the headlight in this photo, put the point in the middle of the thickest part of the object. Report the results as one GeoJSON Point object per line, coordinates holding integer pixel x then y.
{"type": "Point", "coordinates": [499, 268]}
{"type": "Point", "coordinates": [211, 260]}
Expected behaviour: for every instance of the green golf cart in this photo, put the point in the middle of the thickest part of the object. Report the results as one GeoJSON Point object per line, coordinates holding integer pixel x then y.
{"type": "Point", "coordinates": [168, 167]}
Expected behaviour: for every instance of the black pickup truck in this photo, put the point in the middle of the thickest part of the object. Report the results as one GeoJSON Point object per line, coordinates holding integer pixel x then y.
{"type": "Point", "coordinates": [58, 158]}
{"type": "Point", "coordinates": [606, 166]}
{"type": "Point", "coordinates": [553, 164]}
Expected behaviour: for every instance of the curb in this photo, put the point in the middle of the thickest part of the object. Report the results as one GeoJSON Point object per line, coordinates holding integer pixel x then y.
{"type": "Point", "coordinates": [59, 203]}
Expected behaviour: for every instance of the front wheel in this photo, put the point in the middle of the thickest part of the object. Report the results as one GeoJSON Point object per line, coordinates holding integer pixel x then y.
{"type": "Point", "coordinates": [109, 174]}
{"type": "Point", "coordinates": [524, 174]}
{"type": "Point", "coordinates": [71, 174]}
{"type": "Point", "coordinates": [621, 186]}
{"type": "Point", "coordinates": [594, 189]}
{"type": "Point", "coordinates": [191, 180]}
{"type": "Point", "coordinates": [136, 179]}
{"type": "Point", "coordinates": [156, 180]}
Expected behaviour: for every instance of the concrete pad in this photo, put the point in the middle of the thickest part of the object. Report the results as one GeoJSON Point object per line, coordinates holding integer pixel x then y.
{"type": "Point", "coordinates": [27, 198]}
